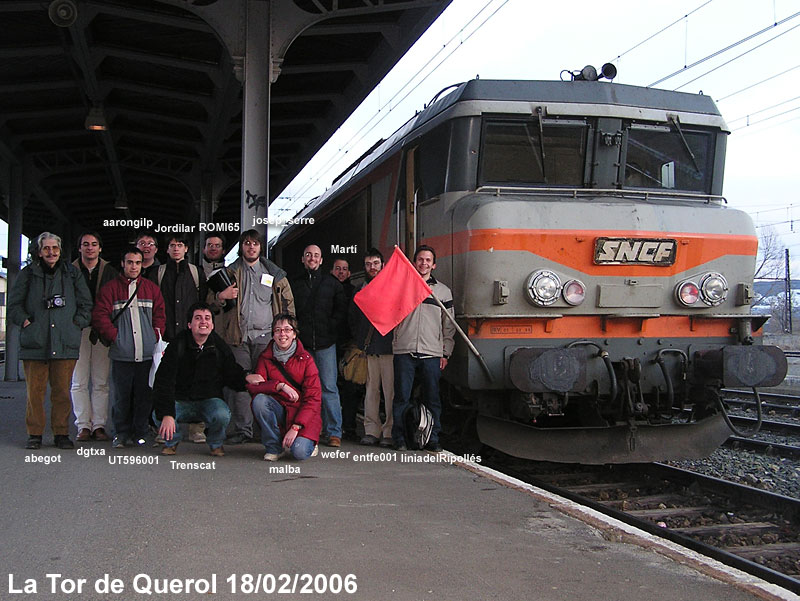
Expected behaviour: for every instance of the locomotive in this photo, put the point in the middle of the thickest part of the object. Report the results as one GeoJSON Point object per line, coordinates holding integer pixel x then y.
{"type": "Point", "coordinates": [603, 283]}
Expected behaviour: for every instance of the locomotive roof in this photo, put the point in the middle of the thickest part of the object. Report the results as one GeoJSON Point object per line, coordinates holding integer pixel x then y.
{"type": "Point", "coordinates": [588, 92]}
{"type": "Point", "coordinates": [585, 93]}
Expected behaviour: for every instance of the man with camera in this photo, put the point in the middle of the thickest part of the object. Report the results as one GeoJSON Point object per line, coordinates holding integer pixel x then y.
{"type": "Point", "coordinates": [51, 303]}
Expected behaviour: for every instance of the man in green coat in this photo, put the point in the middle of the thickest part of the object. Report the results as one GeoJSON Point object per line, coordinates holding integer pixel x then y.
{"type": "Point", "coordinates": [51, 303]}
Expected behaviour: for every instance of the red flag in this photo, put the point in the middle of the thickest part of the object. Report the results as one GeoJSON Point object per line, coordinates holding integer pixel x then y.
{"type": "Point", "coordinates": [394, 293]}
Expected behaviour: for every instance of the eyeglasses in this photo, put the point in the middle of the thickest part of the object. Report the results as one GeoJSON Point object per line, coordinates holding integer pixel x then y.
{"type": "Point", "coordinates": [251, 243]}
{"type": "Point", "coordinates": [286, 330]}
{"type": "Point", "coordinates": [142, 243]}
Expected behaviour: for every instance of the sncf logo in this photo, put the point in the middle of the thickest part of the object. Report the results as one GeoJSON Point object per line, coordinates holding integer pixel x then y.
{"type": "Point", "coordinates": [648, 251]}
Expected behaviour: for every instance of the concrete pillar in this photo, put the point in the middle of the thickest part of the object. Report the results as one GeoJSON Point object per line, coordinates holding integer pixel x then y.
{"type": "Point", "coordinates": [15, 205]}
{"type": "Point", "coordinates": [256, 117]}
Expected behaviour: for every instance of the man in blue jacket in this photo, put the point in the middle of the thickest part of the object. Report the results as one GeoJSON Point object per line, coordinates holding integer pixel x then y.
{"type": "Point", "coordinates": [51, 303]}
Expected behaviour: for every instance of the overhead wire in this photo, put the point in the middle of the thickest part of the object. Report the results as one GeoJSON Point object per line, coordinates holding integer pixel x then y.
{"type": "Point", "coordinates": [660, 31]}
{"type": "Point", "coordinates": [758, 83]}
{"type": "Point", "coordinates": [325, 168]}
{"type": "Point", "coordinates": [748, 51]}
{"type": "Point", "coordinates": [723, 50]}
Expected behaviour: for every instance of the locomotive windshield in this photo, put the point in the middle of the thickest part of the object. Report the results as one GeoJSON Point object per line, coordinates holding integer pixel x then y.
{"type": "Point", "coordinates": [668, 157]}
{"type": "Point", "coordinates": [533, 152]}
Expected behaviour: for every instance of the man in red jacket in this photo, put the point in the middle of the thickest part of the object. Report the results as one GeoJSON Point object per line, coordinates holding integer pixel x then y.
{"type": "Point", "coordinates": [129, 314]}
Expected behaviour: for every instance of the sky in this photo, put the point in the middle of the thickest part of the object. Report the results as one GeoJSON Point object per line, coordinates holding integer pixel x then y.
{"type": "Point", "coordinates": [647, 42]}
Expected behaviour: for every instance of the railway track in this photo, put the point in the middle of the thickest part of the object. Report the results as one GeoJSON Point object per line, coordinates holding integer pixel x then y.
{"type": "Point", "coordinates": [750, 529]}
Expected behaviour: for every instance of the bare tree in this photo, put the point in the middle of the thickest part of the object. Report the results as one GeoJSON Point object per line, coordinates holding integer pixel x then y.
{"type": "Point", "coordinates": [769, 261]}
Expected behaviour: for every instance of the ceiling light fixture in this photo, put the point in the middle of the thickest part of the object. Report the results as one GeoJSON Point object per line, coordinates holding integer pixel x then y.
{"type": "Point", "coordinates": [96, 119]}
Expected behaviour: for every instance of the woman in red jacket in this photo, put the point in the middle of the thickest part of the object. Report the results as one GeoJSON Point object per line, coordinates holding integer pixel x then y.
{"type": "Point", "coordinates": [287, 404]}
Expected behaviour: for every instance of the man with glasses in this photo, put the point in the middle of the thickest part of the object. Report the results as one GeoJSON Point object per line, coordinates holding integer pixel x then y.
{"type": "Point", "coordinates": [260, 290]}
{"type": "Point", "coordinates": [321, 307]}
{"type": "Point", "coordinates": [91, 409]}
{"type": "Point", "coordinates": [146, 242]}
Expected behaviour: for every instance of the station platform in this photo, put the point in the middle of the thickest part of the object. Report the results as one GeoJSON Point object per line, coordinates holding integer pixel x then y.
{"type": "Point", "coordinates": [397, 526]}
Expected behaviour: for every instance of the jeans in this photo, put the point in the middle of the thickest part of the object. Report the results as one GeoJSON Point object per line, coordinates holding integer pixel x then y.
{"type": "Point", "coordinates": [91, 410]}
{"type": "Point", "coordinates": [405, 367]}
{"type": "Point", "coordinates": [213, 412]}
{"type": "Point", "coordinates": [331, 405]}
{"type": "Point", "coordinates": [270, 415]}
{"type": "Point", "coordinates": [133, 402]}
{"type": "Point", "coordinates": [37, 374]}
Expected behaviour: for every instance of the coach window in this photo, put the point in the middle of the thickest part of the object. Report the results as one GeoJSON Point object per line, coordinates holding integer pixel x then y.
{"type": "Point", "coordinates": [661, 156]}
{"type": "Point", "coordinates": [526, 152]}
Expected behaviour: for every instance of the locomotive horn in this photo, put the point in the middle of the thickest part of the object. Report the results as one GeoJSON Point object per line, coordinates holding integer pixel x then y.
{"type": "Point", "coordinates": [608, 71]}
{"type": "Point", "coordinates": [588, 73]}
{"type": "Point", "coordinates": [62, 12]}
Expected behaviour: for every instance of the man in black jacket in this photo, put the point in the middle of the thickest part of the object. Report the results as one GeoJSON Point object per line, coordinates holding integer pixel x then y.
{"type": "Point", "coordinates": [189, 381]}
{"type": "Point", "coordinates": [320, 306]}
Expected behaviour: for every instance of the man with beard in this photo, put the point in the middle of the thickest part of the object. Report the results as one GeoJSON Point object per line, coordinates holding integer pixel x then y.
{"type": "Point", "coordinates": [380, 369]}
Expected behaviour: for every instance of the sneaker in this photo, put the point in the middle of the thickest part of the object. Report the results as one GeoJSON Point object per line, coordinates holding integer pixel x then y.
{"type": "Point", "coordinates": [63, 442]}
{"type": "Point", "coordinates": [170, 450]}
{"type": "Point", "coordinates": [218, 452]}
{"type": "Point", "coordinates": [34, 442]}
{"type": "Point", "coordinates": [197, 437]}
{"type": "Point", "coordinates": [141, 441]}
{"type": "Point", "coordinates": [369, 440]}
{"type": "Point", "coordinates": [271, 456]}
{"type": "Point", "coordinates": [433, 447]}
{"type": "Point", "coordinates": [158, 440]}
{"type": "Point", "coordinates": [237, 439]}
{"type": "Point", "coordinates": [84, 435]}
{"type": "Point", "coordinates": [386, 443]}
{"type": "Point", "coordinates": [100, 434]}
{"type": "Point", "coordinates": [118, 442]}
{"type": "Point", "coordinates": [315, 452]}
{"type": "Point", "coordinates": [334, 441]}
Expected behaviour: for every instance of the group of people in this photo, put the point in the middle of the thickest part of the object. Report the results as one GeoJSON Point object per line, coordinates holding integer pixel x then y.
{"type": "Point", "coordinates": [245, 345]}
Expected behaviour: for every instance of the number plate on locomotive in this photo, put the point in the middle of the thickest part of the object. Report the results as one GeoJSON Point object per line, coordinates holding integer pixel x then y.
{"type": "Point", "coordinates": [639, 251]}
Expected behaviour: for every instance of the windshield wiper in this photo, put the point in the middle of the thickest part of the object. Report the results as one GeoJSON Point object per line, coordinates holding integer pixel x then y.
{"type": "Point", "coordinates": [674, 119]}
{"type": "Point", "coordinates": [541, 141]}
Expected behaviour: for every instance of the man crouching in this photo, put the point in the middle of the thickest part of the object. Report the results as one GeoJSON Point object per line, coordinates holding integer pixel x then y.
{"type": "Point", "coordinates": [189, 381]}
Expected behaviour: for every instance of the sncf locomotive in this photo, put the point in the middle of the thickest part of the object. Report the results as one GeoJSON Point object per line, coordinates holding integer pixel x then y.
{"type": "Point", "coordinates": [595, 268]}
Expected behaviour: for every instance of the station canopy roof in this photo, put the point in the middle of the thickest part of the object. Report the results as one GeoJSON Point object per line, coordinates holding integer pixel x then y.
{"type": "Point", "coordinates": [165, 77]}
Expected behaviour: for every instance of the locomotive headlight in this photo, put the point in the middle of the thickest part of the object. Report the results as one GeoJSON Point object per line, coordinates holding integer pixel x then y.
{"type": "Point", "coordinates": [574, 292]}
{"type": "Point", "coordinates": [543, 287]}
{"type": "Point", "coordinates": [713, 289]}
{"type": "Point", "coordinates": [687, 293]}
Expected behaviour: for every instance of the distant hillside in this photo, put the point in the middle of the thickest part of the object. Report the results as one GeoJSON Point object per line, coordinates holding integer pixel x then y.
{"type": "Point", "coordinates": [772, 287]}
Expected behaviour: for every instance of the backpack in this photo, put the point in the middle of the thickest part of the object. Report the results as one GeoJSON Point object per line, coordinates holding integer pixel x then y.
{"type": "Point", "coordinates": [417, 425]}
{"type": "Point", "coordinates": [162, 269]}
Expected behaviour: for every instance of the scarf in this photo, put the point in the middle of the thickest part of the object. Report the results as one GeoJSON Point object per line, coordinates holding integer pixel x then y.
{"type": "Point", "coordinates": [284, 356]}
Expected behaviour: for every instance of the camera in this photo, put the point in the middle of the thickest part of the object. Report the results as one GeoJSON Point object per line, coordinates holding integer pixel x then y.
{"type": "Point", "coordinates": [55, 302]}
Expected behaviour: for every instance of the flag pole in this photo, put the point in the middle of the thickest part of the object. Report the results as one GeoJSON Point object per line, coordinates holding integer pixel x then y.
{"type": "Point", "coordinates": [471, 346]}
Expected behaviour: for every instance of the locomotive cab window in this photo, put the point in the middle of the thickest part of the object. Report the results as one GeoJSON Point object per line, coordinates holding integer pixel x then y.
{"type": "Point", "coordinates": [669, 157]}
{"type": "Point", "coordinates": [529, 152]}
